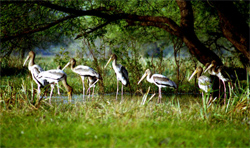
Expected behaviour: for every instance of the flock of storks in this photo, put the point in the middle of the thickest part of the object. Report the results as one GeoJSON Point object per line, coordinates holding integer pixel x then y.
{"type": "Point", "coordinates": [52, 77]}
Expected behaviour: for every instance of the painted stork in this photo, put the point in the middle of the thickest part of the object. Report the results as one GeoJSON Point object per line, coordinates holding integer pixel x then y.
{"type": "Point", "coordinates": [204, 82]}
{"type": "Point", "coordinates": [211, 71]}
{"type": "Point", "coordinates": [226, 74]}
{"type": "Point", "coordinates": [52, 77]}
{"type": "Point", "coordinates": [121, 74]}
{"type": "Point", "coordinates": [34, 70]}
{"type": "Point", "coordinates": [83, 71]}
{"type": "Point", "coordinates": [159, 80]}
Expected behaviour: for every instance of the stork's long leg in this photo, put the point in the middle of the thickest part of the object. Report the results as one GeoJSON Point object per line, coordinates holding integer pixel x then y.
{"type": "Point", "coordinates": [83, 87]}
{"type": "Point", "coordinates": [93, 93]}
{"type": "Point", "coordinates": [219, 87]}
{"type": "Point", "coordinates": [38, 92]}
{"type": "Point", "coordinates": [58, 91]}
{"type": "Point", "coordinates": [51, 92]}
{"type": "Point", "coordinates": [159, 99]}
{"type": "Point", "coordinates": [117, 88]}
{"type": "Point", "coordinates": [122, 92]}
{"type": "Point", "coordinates": [88, 92]}
{"type": "Point", "coordinates": [225, 92]}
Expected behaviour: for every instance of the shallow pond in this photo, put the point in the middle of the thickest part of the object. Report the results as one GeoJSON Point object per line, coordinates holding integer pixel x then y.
{"type": "Point", "coordinates": [181, 98]}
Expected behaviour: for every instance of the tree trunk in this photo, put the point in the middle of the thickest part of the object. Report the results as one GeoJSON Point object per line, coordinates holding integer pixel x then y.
{"type": "Point", "coordinates": [196, 48]}
{"type": "Point", "coordinates": [234, 26]}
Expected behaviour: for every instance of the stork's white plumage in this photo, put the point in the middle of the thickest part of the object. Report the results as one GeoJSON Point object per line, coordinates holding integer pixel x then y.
{"type": "Point", "coordinates": [83, 71]}
{"type": "Point", "coordinates": [34, 70]}
{"type": "Point", "coordinates": [53, 77]}
{"type": "Point", "coordinates": [159, 80]}
{"type": "Point", "coordinates": [121, 74]}
{"type": "Point", "coordinates": [204, 82]}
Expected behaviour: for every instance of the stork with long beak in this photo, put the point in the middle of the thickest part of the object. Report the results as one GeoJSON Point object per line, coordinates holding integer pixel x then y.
{"type": "Point", "coordinates": [221, 73]}
{"type": "Point", "coordinates": [204, 82]}
{"type": "Point", "coordinates": [159, 80]}
{"type": "Point", "coordinates": [83, 71]}
{"type": "Point", "coordinates": [121, 74]}
{"type": "Point", "coordinates": [34, 70]}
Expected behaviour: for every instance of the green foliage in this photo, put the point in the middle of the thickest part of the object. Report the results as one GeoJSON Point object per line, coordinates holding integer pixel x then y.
{"type": "Point", "coordinates": [62, 57]}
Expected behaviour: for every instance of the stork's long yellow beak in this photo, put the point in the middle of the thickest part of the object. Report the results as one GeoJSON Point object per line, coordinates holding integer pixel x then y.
{"type": "Point", "coordinates": [192, 75]}
{"type": "Point", "coordinates": [26, 60]}
{"type": "Point", "coordinates": [66, 65]}
{"type": "Point", "coordinates": [108, 62]}
{"type": "Point", "coordinates": [210, 66]}
{"type": "Point", "coordinates": [145, 74]}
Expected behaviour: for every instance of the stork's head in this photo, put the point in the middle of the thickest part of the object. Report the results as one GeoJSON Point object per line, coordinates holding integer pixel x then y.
{"type": "Point", "coordinates": [197, 71]}
{"type": "Point", "coordinates": [213, 63]}
{"type": "Point", "coordinates": [72, 62]}
{"type": "Point", "coordinates": [147, 72]}
{"type": "Point", "coordinates": [206, 65]}
{"type": "Point", "coordinates": [31, 55]}
{"type": "Point", "coordinates": [59, 67]}
{"type": "Point", "coordinates": [112, 57]}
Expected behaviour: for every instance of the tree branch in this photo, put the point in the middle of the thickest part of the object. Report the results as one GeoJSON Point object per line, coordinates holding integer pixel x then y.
{"type": "Point", "coordinates": [93, 29]}
{"type": "Point", "coordinates": [159, 25]}
{"type": "Point", "coordinates": [7, 38]}
{"type": "Point", "coordinates": [115, 16]}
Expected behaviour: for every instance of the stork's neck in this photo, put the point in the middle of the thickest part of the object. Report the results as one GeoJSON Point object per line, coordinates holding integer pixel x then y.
{"type": "Point", "coordinates": [210, 71]}
{"type": "Point", "coordinates": [31, 62]}
{"type": "Point", "coordinates": [72, 66]}
{"type": "Point", "coordinates": [66, 85]}
{"type": "Point", "coordinates": [149, 78]}
{"type": "Point", "coordinates": [199, 74]}
{"type": "Point", "coordinates": [114, 63]}
{"type": "Point", "coordinates": [216, 69]}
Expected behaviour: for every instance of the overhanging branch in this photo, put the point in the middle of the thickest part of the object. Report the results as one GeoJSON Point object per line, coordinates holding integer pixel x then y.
{"type": "Point", "coordinates": [93, 29]}
{"type": "Point", "coordinates": [115, 16]}
{"type": "Point", "coordinates": [159, 25]}
{"type": "Point", "coordinates": [7, 38]}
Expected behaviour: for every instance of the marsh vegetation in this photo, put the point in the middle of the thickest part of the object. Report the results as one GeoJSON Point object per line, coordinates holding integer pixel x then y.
{"type": "Point", "coordinates": [137, 121]}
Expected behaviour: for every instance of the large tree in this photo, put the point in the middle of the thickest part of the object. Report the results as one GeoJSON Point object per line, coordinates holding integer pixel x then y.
{"type": "Point", "coordinates": [178, 18]}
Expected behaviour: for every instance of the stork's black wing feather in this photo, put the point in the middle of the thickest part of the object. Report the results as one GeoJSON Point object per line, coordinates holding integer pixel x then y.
{"type": "Point", "coordinates": [125, 74]}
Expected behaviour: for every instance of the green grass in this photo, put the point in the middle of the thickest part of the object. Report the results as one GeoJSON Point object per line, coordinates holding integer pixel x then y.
{"type": "Point", "coordinates": [109, 123]}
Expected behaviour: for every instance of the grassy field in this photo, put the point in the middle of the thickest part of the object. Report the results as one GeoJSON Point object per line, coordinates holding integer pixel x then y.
{"type": "Point", "coordinates": [110, 123]}
{"type": "Point", "coordinates": [137, 121]}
